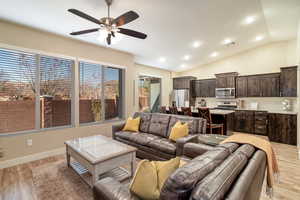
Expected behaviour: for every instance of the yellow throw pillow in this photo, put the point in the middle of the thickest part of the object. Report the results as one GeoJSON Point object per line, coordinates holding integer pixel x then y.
{"type": "Point", "coordinates": [132, 124]}
{"type": "Point", "coordinates": [145, 182]}
{"type": "Point", "coordinates": [179, 130]}
{"type": "Point", "coordinates": [165, 169]}
{"type": "Point", "coordinates": [182, 163]}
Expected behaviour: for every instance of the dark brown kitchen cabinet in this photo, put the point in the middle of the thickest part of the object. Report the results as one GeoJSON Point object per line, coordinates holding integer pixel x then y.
{"type": "Point", "coordinates": [253, 86]}
{"type": "Point", "coordinates": [244, 121]}
{"type": "Point", "coordinates": [270, 85]}
{"type": "Point", "coordinates": [241, 86]}
{"type": "Point", "coordinates": [203, 88]}
{"type": "Point", "coordinates": [182, 82]}
{"type": "Point", "coordinates": [288, 82]}
{"type": "Point", "coordinates": [266, 85]}
{"type": "Point", "coordinates": [282, 128]}
{"type": "Point", "coordinates": [261, 123]}
{"type": "Point", "coordinates": [226, 80]}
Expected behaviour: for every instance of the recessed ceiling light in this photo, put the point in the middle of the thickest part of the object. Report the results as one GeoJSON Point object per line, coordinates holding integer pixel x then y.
{"type": "Point", "coordinates": [186, 57]}
{"type": "Point", "coordinates": [162, 59]}
{"type": "Point", "coordinates": [183, 66]}
{"type": "Point", "coordinates": [227, 41]}
{"type": "Point", "coordinates": [259, 38]}
{"type": "Point", "coordinates": [249, 20]}
{"type": "Point", "coordinates": [196, 44]}
{"type": "Point", "coordinates": [214, 54]}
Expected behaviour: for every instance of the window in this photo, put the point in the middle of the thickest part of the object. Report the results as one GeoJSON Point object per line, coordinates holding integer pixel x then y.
{"type": "Point", "coordinates": [90, 106]}
{"type": "Point", "coordinates": [17, 91]}
{"type": "Point", "coordinates": [112, 84]}
{"type": "Point", "coordinates": [55, 91]}
{"type": "Point", "coordinates": [36, 92]}
{"type": "Point", "coordinates": [95, 79]}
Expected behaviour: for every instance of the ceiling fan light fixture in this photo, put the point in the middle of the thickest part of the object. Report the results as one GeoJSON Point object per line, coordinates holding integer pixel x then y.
{"type": "Point", "coordinates": [103, 33]}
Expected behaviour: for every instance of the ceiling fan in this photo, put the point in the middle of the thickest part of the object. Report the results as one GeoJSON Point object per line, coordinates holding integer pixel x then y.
{"type": "Point", "coordinates": [109, 26]}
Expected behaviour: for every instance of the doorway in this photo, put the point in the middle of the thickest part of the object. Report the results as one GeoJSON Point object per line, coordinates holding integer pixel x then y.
{"type": "Point", "coordinates": [149, 93]}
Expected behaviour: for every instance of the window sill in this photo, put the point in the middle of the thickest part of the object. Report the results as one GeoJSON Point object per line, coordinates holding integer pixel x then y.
{"type": "Point", "coordinates": [60, 128]}
{"type": "Point", "coordinates": [102, 122]}
{"type": "Point", "coordinates": [35, 131]}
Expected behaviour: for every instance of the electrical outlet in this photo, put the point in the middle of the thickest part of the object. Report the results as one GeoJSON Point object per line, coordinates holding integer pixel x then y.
{"type": "Point", "coordinates": [29, 142]}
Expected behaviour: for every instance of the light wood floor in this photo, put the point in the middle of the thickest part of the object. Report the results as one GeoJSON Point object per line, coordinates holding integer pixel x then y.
{"type": "Point", "coordinates": [16, 183]}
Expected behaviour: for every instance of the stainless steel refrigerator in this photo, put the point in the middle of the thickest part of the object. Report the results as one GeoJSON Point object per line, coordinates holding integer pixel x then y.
{"type": "Point", "coordinates": [180, 98]}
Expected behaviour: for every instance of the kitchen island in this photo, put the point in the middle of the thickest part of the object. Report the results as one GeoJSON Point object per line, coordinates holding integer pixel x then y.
{"type": "Point", "coordinates": [225, 117]}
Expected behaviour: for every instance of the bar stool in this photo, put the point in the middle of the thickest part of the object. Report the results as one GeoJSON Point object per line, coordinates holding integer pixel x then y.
{"type": "Point", "coordinates": [186, 111]}
{"type": "Point", "coordinates": [205, 113]}
{"type": "Point", "coordinates": [173, 110]}
{"type": "Point", "coordinates": [163, 109]}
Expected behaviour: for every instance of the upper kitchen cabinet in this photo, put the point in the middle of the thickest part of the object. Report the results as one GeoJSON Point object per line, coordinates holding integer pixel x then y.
{"type": "Point", "coordinates": [288, 82]}
{"type": "Point", "coordinates": [182, 82]}
{"type": "Point", "coordinates": [203, 88]}
{"type": "Point", "coordinates": [241, 86]}
{"type": "Point", "coordinates": [226, 80]}
{"type": "Point", "coordinates": [263, 85]}
{"type": "Point", "coordinates": [270, 85]}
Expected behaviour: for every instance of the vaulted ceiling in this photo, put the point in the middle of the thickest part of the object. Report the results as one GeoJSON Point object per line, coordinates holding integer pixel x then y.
{"type": "Point", "coordinates": [173, 26]}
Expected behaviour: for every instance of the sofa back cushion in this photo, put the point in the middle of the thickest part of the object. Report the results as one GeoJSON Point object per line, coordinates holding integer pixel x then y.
{"type": "Point", "coordinates": [145, 121]}
{"type": "Point", "coordinates": [191, 121]}
{"type": "Point", "coordinates": [181, 183]}
{"type": "Point", "coordinates": [159, 124]}
{"type": "Point", "coordinates": [217, 183]}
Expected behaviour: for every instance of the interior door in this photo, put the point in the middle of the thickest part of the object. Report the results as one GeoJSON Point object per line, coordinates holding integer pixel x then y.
{"type": "Point", "coordinates": [149, 94]}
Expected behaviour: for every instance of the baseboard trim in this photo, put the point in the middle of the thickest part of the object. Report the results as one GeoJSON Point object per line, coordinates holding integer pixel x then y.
{"type": "Point", "coordinates": [32, 157]}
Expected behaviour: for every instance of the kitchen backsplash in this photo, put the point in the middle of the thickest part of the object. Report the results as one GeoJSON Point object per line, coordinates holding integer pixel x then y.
{"type": "Point", "coordinates": [270, 104]}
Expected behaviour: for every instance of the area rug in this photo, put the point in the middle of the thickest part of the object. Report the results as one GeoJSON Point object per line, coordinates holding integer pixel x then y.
{"type": "Point", "coordinates": [55, 181]}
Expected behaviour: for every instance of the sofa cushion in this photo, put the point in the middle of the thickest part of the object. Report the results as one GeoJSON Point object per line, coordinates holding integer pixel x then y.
{"type": "Point", "coordinates": [193, 150]}
{"type": "Point", "coordinates": [191, 121]}
{"type": "Point", "coordinates": [164, 145]}
{"type": "Point", "coordinates": [217, 183]}
{"type": "Point", "coordinates": [180, 184]}
{"type": "Point", "coordinates": [159, 124]}
{"type": "Point", "coordinates": [139, 138]}
{"type": "Point", "coordinates": [145, 121]}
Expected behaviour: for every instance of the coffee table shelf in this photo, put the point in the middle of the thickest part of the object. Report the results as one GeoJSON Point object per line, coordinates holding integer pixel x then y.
{"type": "Point", "coordinates": [97, 157]}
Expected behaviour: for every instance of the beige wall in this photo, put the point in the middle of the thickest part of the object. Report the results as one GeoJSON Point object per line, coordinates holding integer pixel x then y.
{"type": "Point", "coordinates": [167, 83]}
{"type": "Point", "coordinates": [14, 35]}
{"type": "Point", "coordinates": [264, 59]}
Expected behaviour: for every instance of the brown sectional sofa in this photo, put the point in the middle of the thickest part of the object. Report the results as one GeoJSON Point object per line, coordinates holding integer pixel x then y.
{"type": "Point", "coordinates": [228, 171]}
{"type": "Point", "coordinates": [152, 140]}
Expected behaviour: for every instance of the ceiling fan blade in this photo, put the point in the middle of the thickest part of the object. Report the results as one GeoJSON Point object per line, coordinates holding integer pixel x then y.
{"type": "Point", "coordinates": [132, 33]}
{"type": "Point", "coordinates": [108, 39]}
{"type": "Point", "coordinates": [85, 16]}
{"type": "Point", "coordinates": [84, 31]}
{"type": "Point", "coordinates": [125, 18]}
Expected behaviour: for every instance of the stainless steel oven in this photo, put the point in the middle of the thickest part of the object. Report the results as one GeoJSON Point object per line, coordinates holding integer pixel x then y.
{"type": "Point", "coordinates": [225, 93]}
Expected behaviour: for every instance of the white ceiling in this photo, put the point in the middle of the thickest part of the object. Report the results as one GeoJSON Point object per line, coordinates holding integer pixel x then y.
{"type": "Point", "coordinates": [172, 25]}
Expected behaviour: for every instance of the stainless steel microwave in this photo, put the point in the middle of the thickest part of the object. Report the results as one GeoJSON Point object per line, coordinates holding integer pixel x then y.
{"type": "Point", "coordinates": [225, 93]}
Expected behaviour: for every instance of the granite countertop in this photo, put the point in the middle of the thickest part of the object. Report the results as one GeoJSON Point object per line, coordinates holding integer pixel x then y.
{"type": "Point", "coordinates": [271, 111]}
{"type": "Point", "coordinates": [221, 112]}
{"type": "Point", "coordinates": [226, 112]}
{"type": "Point", "coordinates": [218, 111]}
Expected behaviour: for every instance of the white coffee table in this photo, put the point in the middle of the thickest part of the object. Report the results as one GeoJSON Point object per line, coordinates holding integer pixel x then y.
{"type": "Point", "coordinates": [98, 156]}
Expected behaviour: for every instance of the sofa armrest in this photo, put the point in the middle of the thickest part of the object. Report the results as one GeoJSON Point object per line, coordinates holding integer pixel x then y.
{"type": "Point", "coordinates": [111, 189]}
{"type": "Point", "coordinates": [117, 127]}
{"type": "Point", "coordinates": [181, 141]}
